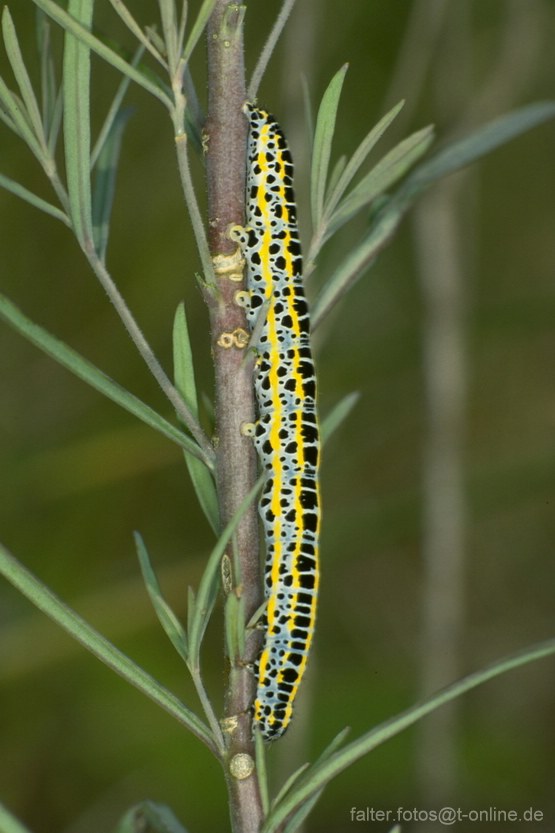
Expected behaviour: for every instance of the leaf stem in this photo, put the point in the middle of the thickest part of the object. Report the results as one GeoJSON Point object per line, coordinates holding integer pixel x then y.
{"type": "Point", "coordinates": [317, 776]}
{"type": "Point", "coordinates": [269, 47]}
{"type": "Point", "coordinates": [149, 357]}
{"type": "Point", "coordinates": [181, 147]}
{"type": "Point", "coordinates": [236, 465]}
{"type": "Point", "coordinates": [124, 13]}
{"type": "Point", "coordinates": [43, 598]}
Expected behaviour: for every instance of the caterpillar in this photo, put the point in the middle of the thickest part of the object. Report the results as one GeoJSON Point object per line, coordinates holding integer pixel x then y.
{"type": "Point", "coordinates": [286, 434]}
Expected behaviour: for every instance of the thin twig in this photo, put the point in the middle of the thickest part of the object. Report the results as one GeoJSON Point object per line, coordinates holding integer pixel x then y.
{"type": "Point", "coordinates": [236, 465]}
{"type": "Point", "coordinates": [114, 109]}
{"type": "Point", "coordinates": [269, 47]}
{"type": "Point", "coordinates": [191, 201]}
{"type": "Point", "coordinates": [134, 27]}
{"type": "Point", "coordinates": [208, 710]}
{"type": "Point", "coordinates": [150, 359]}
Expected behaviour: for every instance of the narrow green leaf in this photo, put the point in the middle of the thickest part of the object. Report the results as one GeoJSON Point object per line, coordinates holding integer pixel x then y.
{"type": "Point", "coordinates": [77, 127]}
{"type": "Point", "coordinates": [335, 177]}
{"type": "Point", "coordinates": [451, 159]}
{"type": "Point", "coordinates": [44, 599]}
{"type": "Point", "coordinates": [209, 583]}
{"type": "Point", "coordinates": [358, 158]}
{"type": "Point", "coordinates": [6, 119]}
{"type": "Point", "coordinates": [234, 627]}
{"type": "Point", "coordinates": [338, 415]}
{"type": "Point", "coordinates": [389, 170]}
{"type": "Point", "coordinates": [257, 615]}
{"type": "Point", "coordinates": [90, 374]}
{"type": "Point", "coordinates": [194, 114]}
{"type": "Point", "coordinates": [320, 774]}
{"type": "Point", "coordinates": [51, 94]}
{"type": "Point", "coordinates": [68, 22]}
{"type": "Point", "coordinates": [356, 262]}
{"type": "Point", "coordinates": [306, 807]}
{"type": "Point", "coordinates": [161, 819]}
{"type": "Point", "coordinates": [182, 26]}
{"type": "Point", "coordinates": [295, 821]}
{"type": "Point", "coordinates": [56, 124]}
{"type": "Point", "coordinates": [113, 112]}
{"type": "Point", "coordinates": [204, 601]}
{"type": "Point", "coordinates": [21, 75]}
{"type": "Point", "coordinates": [334, 744]}
{"type": "Point", "coordinates": [184, 370]}
{"type": "Point", "coordinates": [156, 40]}
{"type": "Point", "coordinates": [24, 194]}
{"type": "Point", "coordinates": [169, 621]}
{"type": "Point", "coordinates": [321, 150]}
{"type": "Point", "coordinates": [168, 16]}
{"type": "Point", "coordinates": [148, 817]}
{"type": "Point", "coordinates": [105, 182]}
{"type": "Point", "coordinates": [308, 113]}
{"type": "Point", "coordinates": [268, 48]}
{"type": "Point", "coordinates": [9, 823]}
{"type": "Point", "coordinates": [295, 775]}
{"type": "Point", "coordinates": [482, 141]}
{"type": "Point", "coordinates": [16, 119]}
{"type": "Point", "coordinates": [191, 604]}
{"type": "Point", "coordinates": [261, 771]}
{"type": "Point", "coordinates": [184, 373]}
{"type": "Point", "coordinates": [121, 9]}
{"type": "Point", "coordinates": [198, 28]}
{"type": "Point", "coordinates": [47, 72]}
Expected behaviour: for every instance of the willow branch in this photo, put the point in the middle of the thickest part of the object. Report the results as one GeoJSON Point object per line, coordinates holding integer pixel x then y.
{"type": "Point", "coordinates": [236, 466]}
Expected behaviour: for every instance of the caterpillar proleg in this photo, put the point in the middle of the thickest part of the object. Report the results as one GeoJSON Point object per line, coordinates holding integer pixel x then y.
{"type": "Point", "coordinates": [286, 434]}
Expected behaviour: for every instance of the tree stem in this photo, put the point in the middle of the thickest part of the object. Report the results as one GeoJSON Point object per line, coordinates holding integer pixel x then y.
{"type": "Point", "coordinates": [236, 466]}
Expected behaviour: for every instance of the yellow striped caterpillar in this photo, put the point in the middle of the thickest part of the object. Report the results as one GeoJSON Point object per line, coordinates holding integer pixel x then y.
{"type": "Point", "coordinates": [286, 434]}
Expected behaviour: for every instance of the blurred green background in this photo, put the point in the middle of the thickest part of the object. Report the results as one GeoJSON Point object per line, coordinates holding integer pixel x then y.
{"type": "Point", "coordinates": [439, 491]}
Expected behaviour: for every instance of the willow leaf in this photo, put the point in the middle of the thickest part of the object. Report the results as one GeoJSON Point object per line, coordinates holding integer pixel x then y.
{"type": "Point", "coordinates": [21, 75]}
{"type": "Point", "coordinates": [49, 90]}
{"type": "Point", "coordinates": [302, 813]}
{"type": "Point", "coordinates": [168, 16]}
{"type": "Point", "coordinates": [261, 771]}
{"type": "Point", "coordinates": [321, 773]}
{"type": "Point", "coordinates": [454, 157]}
{"type": "Point", "coordinates": [335, 177]}
{"type": "Point", "coordinates": [24, 194]}
{"type": "Point", "coordinates": [115, 109]}
{"type": "Point", "coordinates": [9, 823]}
{"type": "Point", "coordinates": [338, 414]}
{"type": "Point", "coordinates": [209, 583]}
{"type": "Point", "coordinates": [479, 143]}
{"type": "Point", "coordinates": [90, 374]}
{"type": "Point", "coordinates": [323, 138]}
{"type": "Point", "coordinates": [389, 170]}
{"type": "Point", "coordinates": [356, 262]}
{"type": "Point", "coordinates": [77, 128]}
{"type": "Point", "coordinates": [358, 158]}
{"type": "Point", "coordinates": [16, 118]}
{"type": "Point", "coordinates": [44, 599]}
{"type": "Point", "coordinates": [167, 618]}
{"type": "Point", "coordinates": [68, 22]}
{"type": "Point", "coordinates": [105, 182]}
{"type": "Point", "coordinates": [198, 28]}
{"type": "Point", "coordinates": [184, 373]}
{"type": "Point", "coordinates": [150, 817]}
{"type": "Point", "coordinates": [234, 627]}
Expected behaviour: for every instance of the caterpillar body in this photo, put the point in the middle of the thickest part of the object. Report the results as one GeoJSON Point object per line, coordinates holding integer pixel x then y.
{"type": "Point", "coordinates": [286, 434]}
